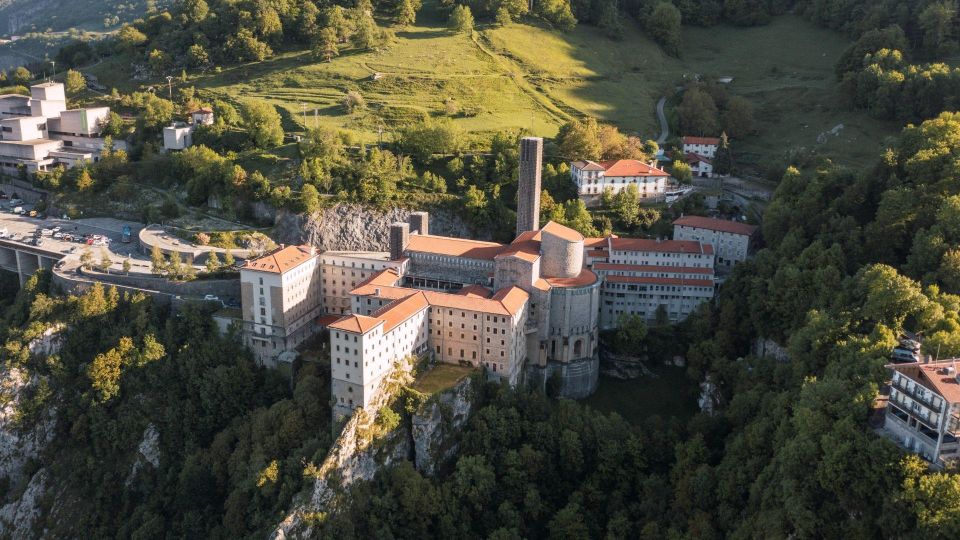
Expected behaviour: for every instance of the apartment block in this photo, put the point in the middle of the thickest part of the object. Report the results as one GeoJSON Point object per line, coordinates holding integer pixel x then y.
{"type": "Point", "coordinates": [281, 300]}
{"type": "Point", "coordinates": [923, 410]}
{"type": "Point", "coordinates": [641, 275]}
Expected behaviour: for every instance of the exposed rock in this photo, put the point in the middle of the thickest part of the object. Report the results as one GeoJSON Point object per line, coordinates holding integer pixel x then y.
{"type": "Point", "coordinates": [709, 399]}
{"type": "Point", "coordinates": [17, 447]}
{"type": "Point", "coordinates": [49, 342]}
{"type": "Point", "coordinates": [357, 227]}
{"type": "Point", "coordinates": [768, 348]}
{"type": "Point", "coordinates": [148, 452]}
{"type": "Point", "coordinates": [18, 517]}
{"type": "Point", "coordinates": [436, 425]}
{"type": "Point", "coordinates": [431, 436]}
{"type": "Point", "coordinates": [621, 366]}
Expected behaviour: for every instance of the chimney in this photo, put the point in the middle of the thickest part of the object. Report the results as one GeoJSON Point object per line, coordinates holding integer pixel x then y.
{"type": "Point", "coordinates": [419, 223]}
{"type": "Point", "coordinates": [399, 238]}
{"type": "Point", "coordinates": [528, 191]}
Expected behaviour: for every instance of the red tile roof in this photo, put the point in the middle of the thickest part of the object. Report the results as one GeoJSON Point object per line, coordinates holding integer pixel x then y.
{"type": "Point", "coordinates": [694, 158]}
{"type": "Point", "coordinates": [327, 320]}
{"type": "Point", "coordinates": [281, 260]}
{"type": "Point", "coordinates": [630, 167]}
{"type": "Point", "coordinates": [585, 278]}
{"type": "Point", "coordinates": [563, 232]}
{"type": "Point", "coordinates": [934, 377]}
{"type": "Point", "coordinates": [587, 165]}
{"type": "Point", "coordinates": [713, 224]}
{"type": "Point", "coordinates": [454, 247]}
{"type": "Point", "coordinates": [395, 313]}
{"type": "Point", "coordinates": [358, 324]}
{"type": "Point", "coordinates": [596, 242]}
{"type": "Point", "coordinates": [662, 246]}
{"type": "Point", "coordinates": [475, 291]}
{"type": "Point", "coordinates": [701, 140]}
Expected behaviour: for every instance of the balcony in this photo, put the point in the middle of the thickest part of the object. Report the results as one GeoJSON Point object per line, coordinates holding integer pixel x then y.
{"type": "Point", "coordinates": [901, 385]}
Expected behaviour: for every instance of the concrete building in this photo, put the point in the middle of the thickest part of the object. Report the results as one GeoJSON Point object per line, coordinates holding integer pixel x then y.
{"type": "Point", "coordinates": [179, 135]}
{"type": "Point", "coordinates": [281, 298]}
{"type": "Point", "coordinates": [730, 239]}
{"type": "Point", "coordinates": [704, 146]}
{"type": "Point", "coordinates": [343, 271]}
{"type": "Point", "coordinates": [528, 190]}
{"type": "Point", "coordinates": [642, 276]}
{"type": "Point", "coordinates": [593, 178]}
{"type": "Point", "coordinates": [39, 132]}
{"type": "Point", "coordinates": [923, 410]}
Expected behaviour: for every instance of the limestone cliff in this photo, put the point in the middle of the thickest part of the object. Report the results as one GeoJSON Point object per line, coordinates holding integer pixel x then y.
{"type": "Point", "coordinates": [356, 227]}
{"type": "Point", "coordinates": [429, 437]}
{"type": "Point", "coordinates": [19, 448]}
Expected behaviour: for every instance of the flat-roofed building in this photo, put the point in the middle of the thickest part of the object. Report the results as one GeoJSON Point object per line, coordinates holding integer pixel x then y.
{"type": "Point", "coordinates": [281, 299]}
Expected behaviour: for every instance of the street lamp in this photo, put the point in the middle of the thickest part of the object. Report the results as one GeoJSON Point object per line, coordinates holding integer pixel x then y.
{"type": "Point", "coordinates": [170, 86]}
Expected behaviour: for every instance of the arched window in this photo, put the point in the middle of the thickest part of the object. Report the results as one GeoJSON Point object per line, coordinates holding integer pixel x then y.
{"type": "Point", "coordinates": [578, 347]}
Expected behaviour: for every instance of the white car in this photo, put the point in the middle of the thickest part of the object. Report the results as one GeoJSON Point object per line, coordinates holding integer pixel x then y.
{"type": "Point", "coordinates": [57, 234]}
{"type": "Point", "coordinates": [56, 229]}
{"type": "Point", "coordinates": [46, 232]}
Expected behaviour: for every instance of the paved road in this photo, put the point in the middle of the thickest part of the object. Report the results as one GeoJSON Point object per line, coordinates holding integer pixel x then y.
{"type": "Point", "coordinates": [664, 127]}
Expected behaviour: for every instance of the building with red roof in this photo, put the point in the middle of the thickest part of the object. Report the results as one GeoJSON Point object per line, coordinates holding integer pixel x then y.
{"type": "Point", "coordinates": [923, 410]}
{"type": "Point", "coordinates": [704, 146]}
{"type": "Point", "coordinates": [593, 178]}
{"type": "Point", "coordinates": [731, 240]}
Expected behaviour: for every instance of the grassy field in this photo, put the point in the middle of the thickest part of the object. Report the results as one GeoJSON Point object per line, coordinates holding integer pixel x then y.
{"type": "Point", "coordinates": [668, 393]}
{"type": "Point", "coordinates": [441, 377]}
{"type": "Point", "coordinates": [533, 78]}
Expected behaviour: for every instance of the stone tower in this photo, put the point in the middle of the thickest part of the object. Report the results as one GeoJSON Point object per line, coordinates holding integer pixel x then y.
{"type": "Point", "coordinates": [528, 191]}
{"type": "Point", "coordinates": [419, 223]}
{"type": "Point", "coordinates": [399, 238]}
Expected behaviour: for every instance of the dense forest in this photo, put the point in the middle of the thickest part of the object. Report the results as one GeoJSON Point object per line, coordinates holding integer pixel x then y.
{"type": "Point", "coordinates": [230, 437]}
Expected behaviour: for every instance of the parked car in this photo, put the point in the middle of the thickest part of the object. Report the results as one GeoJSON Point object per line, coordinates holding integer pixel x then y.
{"type": "Point", "coordinates": [56, 228]}
{"type": "Point", "coordinates": [3, 233]}
{"type": "Point", "coordinates": [901, 356]}
{"type": "Point", "coordinates": [16, 202]}
{"type": "Point", "coordinates": [211, 297]}
{"type": "Point", "coordinates": [38, 242]}
{"type": "Point", "coordinates": [910, 344]}
{"type": "Point", "coordinates": [46, 232]}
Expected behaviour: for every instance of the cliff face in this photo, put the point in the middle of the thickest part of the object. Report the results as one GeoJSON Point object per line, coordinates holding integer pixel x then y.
{"type": "Point", "coordinates": [356, 227]}
{"type": "Point", "coordinates": [429, 437]}
{"type": "Point", "coordinates": [18, 449]}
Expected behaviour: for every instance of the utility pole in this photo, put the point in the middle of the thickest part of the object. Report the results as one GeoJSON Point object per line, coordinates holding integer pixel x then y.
{"type": "Point", "coordinates": [303, 109]}
{"type": "Point", "coordinates": [54, 64]}
{"type": "Point", "coordinates": [170, 86]}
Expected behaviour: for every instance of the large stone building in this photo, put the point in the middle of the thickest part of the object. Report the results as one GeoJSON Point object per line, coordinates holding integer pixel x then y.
{"type": "Point", "coordinates": [593, 179]}
{"type": "Point", "coordinates": [524, 312]}
{"type": "Point", "coordinates": [923, 410]}
{"type": "Point", "coordinates": [730, 239]}
{"type": "Point", "coordinates": [280, 300]}
{"type": "Point", "coordinates": [39, 132]}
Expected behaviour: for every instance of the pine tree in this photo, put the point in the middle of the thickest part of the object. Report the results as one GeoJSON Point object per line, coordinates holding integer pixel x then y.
{"type": "Point", "coordinates": [213, 262]}
{"type": "Point", "coordinates": [326, 45]}
{"type": "Point", "coordinates": [158, 263]}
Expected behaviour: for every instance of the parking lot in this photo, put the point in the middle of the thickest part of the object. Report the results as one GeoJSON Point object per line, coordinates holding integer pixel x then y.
{"type": "Point", "coordinates": [65, 236]}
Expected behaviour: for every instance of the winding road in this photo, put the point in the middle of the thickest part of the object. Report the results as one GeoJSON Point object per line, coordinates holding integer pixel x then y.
{"type": "Point", "coordinates": [664, 127]}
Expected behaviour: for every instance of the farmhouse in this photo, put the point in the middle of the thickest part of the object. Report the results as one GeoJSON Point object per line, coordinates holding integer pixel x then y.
{"type": "Point", "coordinates": [593, 178]}
{"type": "Point", "coordinates": [704, 146]}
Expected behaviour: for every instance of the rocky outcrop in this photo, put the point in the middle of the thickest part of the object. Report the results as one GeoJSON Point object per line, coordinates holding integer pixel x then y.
{"type": "Point", "coordinates": [357, 227]}
{"type": "Point", "coordinates": [768, 348]}
{"type": "Point", "coordinates": [622, 366]}
{"type": "Point", "coordinates": [17, 446]}
{"type": "Point", "coordinates": [709, 398]}
{"type": "Point", "coordinates": [148, 453]}
{"type": "Point", "coordinates": [430, 437]}
{"type": "Point", "coordinates": [17, 518]}
{"type": "Point", "coordinates": [436, 424]}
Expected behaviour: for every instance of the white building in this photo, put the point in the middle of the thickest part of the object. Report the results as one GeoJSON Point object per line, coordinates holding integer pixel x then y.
{"type": "Point", "coordinates": [39, 132]}
{"type": "Point", "coordinates": [700, 165]}
{"type": "Point", "coordinates": [593, 178]}
{"type": "Point", "coordinates": [730, 239]}
{"type": "Point", "coordinates": [280, 294]}
{"type": "Point", "coordinates": [468, 329]}
{"type": "Point", "coordinates": [704, 146]}
{"type": "Point", "coordinates": [923, 410]}
{"type": "Point", "coordinates": [641, 275]}
{"type": "Point", "coordinates": [179, 135]}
